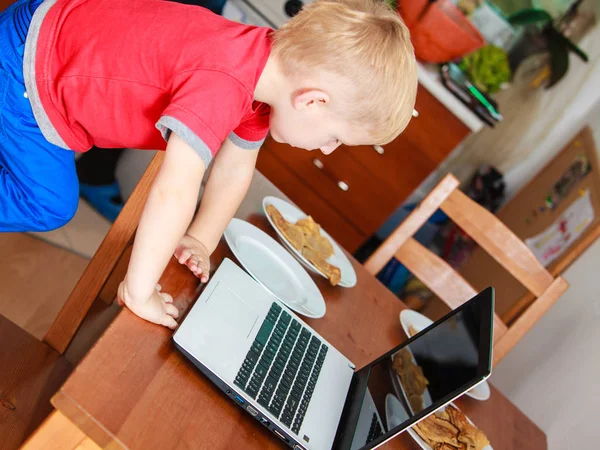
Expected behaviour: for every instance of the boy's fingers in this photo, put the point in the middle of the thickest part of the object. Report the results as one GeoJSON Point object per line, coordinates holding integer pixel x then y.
{"type": "Point", "coordinates": [158, 287]}
{"type": "Point", "coordinates": [169, 322]}
{"type": "Point", "coordinates": [166, 298]}
{"type": "Point", "coordinates": [204, 266]}
{"type": "Point", "coordinates": [171, 310]}
{"type": "Point", "coordinates": [184, 255]}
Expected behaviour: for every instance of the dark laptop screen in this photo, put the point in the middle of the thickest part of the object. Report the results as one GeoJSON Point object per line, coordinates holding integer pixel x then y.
{"type": "Point", "coordinates": [434, 366]}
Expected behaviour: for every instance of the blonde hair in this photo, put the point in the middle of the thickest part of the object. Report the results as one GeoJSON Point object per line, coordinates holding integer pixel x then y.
{"type": "Point", "coordinates": [365, 42]}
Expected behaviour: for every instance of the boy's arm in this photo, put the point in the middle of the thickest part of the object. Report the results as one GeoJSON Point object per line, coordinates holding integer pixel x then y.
{"type": "Point", "coordinates": [166, 216]}
{"type": "Point", "coordinates": [227, 185]}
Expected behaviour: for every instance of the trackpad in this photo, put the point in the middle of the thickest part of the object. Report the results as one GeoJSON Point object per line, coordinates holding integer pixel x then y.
{"type": "Point", "coordinates": [231, 311]}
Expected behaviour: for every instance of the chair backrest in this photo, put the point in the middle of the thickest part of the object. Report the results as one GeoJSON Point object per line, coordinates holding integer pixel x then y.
{"type": "Point", "coordinates": [100, 268]}
{"type": "Point", "coordinates": [493, 236]}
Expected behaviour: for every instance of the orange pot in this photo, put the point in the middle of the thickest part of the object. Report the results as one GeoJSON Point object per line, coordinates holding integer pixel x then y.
{"type": "Point", "coordinates": [442, 33]}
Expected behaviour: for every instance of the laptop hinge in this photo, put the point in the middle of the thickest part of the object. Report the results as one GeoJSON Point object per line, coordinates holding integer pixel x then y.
{"type": "Point", "coordinates": [351, 411]}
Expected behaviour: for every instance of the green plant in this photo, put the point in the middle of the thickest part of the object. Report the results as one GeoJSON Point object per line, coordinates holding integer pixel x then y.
{"type": "Point", "coordinates": [487, 68]}
{"type": "Point", "coordinates": [557, 44]}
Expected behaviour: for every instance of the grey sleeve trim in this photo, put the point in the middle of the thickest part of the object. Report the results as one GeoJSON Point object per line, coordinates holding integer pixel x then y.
{"type": "Point", "coordinates": [242, 143]}
{"type": "Point", "coordinates": [168, 124]}
{"type": "Point", "coordinates": [29, 56]}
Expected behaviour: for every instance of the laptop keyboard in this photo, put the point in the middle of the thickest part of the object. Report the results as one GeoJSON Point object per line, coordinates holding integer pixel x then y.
{"type": "Point", "coordinates": [375, 430]}
{"type": "Point", "coordinates": [282, 367]}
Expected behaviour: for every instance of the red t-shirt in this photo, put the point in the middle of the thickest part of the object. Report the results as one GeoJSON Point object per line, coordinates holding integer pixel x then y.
{"type": "Point", "coordinates": [125, 73]}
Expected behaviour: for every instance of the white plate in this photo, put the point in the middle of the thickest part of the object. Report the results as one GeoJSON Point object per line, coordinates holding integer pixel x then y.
{"type": "Point", "coordinates": [273, 267]}
{"type": "Point", "coordinates": [424, 445]}
{"type": "Point", "coordinates": [338, 259]}
{"type": "Point", "coordinates": [395, 414]}
{"type": "Point", "coordinates": [419, 322]}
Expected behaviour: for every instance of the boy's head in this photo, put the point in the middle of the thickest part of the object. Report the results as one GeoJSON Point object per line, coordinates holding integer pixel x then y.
{"type": "Point", "coordinates": [350, 72]}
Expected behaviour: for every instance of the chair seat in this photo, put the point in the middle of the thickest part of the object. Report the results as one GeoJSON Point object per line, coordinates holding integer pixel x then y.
{"type": "Point", "coordinates": [30, 373]}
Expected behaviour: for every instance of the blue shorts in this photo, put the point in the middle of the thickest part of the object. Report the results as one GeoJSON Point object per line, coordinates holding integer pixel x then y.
{"type": "Point", "coordinates": [38, 182]}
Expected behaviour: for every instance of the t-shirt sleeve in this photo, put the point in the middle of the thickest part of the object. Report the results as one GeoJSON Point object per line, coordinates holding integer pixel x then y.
{"type": "Point", "coordinates": [251, 133]}
{"type": "Point", "coordinates": [204, 107]}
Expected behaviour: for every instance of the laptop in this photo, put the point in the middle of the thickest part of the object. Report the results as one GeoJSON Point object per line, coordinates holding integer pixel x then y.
{"type": "Point", "coordinates": [295, 383]}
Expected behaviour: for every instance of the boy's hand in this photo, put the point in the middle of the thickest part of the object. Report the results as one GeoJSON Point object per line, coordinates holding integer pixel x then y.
{"type": "Point", "coordinates": [158, 308]}
{"type": "Point", "coordinates": [192, 253]}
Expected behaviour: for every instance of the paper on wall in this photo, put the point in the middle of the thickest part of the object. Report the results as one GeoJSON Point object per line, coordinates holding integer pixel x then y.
{"type": "Point", "coordinates": [552, 242]}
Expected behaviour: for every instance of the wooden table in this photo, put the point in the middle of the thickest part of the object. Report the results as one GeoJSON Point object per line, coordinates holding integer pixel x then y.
{"type": "Point", "coordinates": [134, 390]}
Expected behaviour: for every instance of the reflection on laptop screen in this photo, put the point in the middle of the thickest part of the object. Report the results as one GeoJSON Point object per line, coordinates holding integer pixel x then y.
{"type": "Point", "coordinates": [428, 370]}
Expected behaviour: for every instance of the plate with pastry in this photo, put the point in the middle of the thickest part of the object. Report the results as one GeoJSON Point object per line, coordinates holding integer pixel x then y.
{"type": "Point", "coordinates": [309, 243]}
{"type": "Point", "coordinates": [274, 268]}
{"type": "Point", "coordinates": [413, 322]}
{"type": "Point", "coordinates": [449, 429]}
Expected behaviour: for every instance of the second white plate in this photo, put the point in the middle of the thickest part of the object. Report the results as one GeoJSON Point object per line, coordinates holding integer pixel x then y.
{"type": "Point", "coordinates": [419, 322]}
{"type": "Point", "coordinates": [338, 259]}
{"type": "Point", "coordinates": [273, 267]}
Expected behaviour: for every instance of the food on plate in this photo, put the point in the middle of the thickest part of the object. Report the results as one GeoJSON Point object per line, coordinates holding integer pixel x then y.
{"type": "Point", "coordinates": [319, 244]}
{"type": "Point", "coordinates": [293, 234]}
{"type": "Point", "coordinates": [445, 447]}
{"type": "Point", "coordinates": [435, 430]}
{"type": "Point", "coordinates": [308, 225]}
{"type": "Point", "coordinates": [411, 376]}
{"type": "Point", "coordinates": [470, 435]}
{"type": "Point", "coordinates": [305, 236]}
{"type": "Point", "coordinates": [450, 430]}
{"type": "Point", "coordinates": [333, 273]}
{"type": "Point", "coordinates": [412, 331]}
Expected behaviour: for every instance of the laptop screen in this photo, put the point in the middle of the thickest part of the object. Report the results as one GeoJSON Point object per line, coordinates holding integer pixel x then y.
{"type": "Point", "coordinates": [426, 372]}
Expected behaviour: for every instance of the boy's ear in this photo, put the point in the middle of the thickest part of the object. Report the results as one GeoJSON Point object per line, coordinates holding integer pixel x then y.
{"type": "Point", "coordinates": [309, 99]}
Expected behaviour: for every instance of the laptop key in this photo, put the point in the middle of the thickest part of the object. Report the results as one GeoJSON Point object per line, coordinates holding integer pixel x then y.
{"type": "Point", "coordinates": [264, 332]}
{"type": "Point", "coordinates": [266, 396]}
{"type": "Point", "coordinates": [288, 378]}
{"type": "Point", "coordinates": [292, 403]}
{"type": "Point", "coordinates": [263, 402]}
{"type": "Point", "coordinates": [252, 391]}
{"type": "Point", "coordinates": [296, 392]}
{"type": "Point", "coordinates": [251, 357]}
{"type": "Point", "coordinates": [261, 372]}
{"type": "Point", "coordinates": [256, 348]}
{"type": "Point", "coordinates": [270, 384]}
{"type": "Point", "coordinates": [279, 397]}
{"type": "Point", "coordinates": [275, 373]}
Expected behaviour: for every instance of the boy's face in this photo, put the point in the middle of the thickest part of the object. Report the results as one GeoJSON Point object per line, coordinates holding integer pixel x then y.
{"type": "Point", "coordinates": [307, 121]}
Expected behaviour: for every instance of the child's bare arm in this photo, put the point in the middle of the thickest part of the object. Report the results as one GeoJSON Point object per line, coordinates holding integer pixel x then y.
{"type": "Point", "coordinates": [166, 216]}
{"type": "Point", "coordinates": [227, 185]}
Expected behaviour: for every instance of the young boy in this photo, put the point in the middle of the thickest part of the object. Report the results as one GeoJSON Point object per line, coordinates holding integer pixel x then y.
{"type": "Point", "coordinates": [137, 73]}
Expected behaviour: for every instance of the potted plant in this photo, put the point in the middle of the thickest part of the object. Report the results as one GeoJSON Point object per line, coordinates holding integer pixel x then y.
{"type": "Point", "coordinates": [543, 35]}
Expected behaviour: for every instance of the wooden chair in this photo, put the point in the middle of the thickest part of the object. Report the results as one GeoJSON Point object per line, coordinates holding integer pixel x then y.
{"type": "Point", "coordinates": [493, 236]}
{"type": "Point", "coordinates": [31, 371]}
